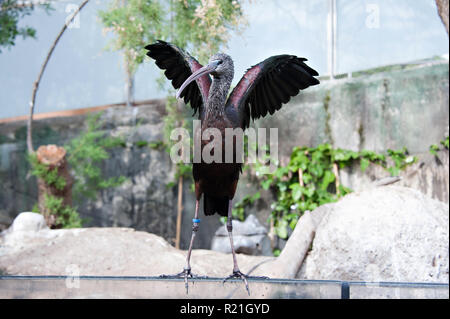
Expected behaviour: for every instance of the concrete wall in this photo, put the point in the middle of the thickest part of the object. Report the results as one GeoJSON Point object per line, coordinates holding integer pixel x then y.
{"type": "Point", "coordinates": [385, 110]}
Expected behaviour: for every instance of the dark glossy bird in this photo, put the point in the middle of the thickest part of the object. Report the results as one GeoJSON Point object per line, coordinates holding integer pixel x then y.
{"type": "Point", "coordinates": [262, 90]}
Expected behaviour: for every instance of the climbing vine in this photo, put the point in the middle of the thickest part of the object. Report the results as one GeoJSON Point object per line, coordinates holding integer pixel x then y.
{"type": "Point", "coordinates": [311, 179]}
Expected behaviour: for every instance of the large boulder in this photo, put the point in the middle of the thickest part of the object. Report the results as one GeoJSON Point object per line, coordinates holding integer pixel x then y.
{"type": "Point", "coordinates": [249, 237]}
{"type": "Point", "coordinates": [384, 234]}
{"type": "Point", "coordinates": [28, 221]}
{"type": "Point", "coordinates": [104, 252]}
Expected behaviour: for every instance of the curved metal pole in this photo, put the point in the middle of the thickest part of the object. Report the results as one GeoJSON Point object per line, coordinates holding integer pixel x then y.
{"type": "Point", "coordinates": [44, 65]}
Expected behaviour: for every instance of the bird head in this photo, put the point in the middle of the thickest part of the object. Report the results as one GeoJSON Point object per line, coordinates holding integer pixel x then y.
{"type": "Point", "coordinates": [224, 65]}
{"type": "Point", "coordinates": [220, 65]}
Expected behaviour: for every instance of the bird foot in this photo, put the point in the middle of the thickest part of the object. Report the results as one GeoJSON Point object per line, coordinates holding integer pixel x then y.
{"type": "Point", "coordinates": [185, 274]}
{"type": "Point", "coordinates": [238, 274]}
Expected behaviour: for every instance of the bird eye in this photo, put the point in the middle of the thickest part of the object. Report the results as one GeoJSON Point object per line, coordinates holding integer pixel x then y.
{"type": "Point", "coordinates": [220, 62]}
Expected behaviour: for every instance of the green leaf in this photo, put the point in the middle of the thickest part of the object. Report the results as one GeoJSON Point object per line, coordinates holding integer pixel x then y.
{"type": "Point", "coordinates": [307, 178]}
{"type": "Point", "coordinates": [296, 191]}
{"type": "Point", "coordinates": [266, 184]}
{"type": "Point", "coordinates": [309, 191]}
{"type": "Point", "coordinates": [434, 149]}
{"type": "Point", "coordinates": [395, 171]}
{"type": "Point", "coordinates": [282, 186]}
{"type": "Point", "coordinates": [445, 142]}
{"type": "Point", "coordinates": [327, 179]}
{"type": "Point", "coordinates": [256, 196]}
{"type": "Point", "coordinates": [293, 223]}
{"type": "Point", "coordinates": [281, 229]}
{"type": "Point", "coordinates": [276, 252]}
{"type": "Point", "coordinates": [364, 163]}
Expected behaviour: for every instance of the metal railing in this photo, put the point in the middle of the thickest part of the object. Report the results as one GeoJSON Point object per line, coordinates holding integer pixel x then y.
{"type": "Point", "coordinates": [209, 287]}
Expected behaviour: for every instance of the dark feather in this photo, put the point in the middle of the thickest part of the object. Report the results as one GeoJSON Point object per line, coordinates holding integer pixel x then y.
{"type": "Point", "coordinates": [288, 87]}
{"type": "Point", "coordinates": [269, 84]}
{"type": "Point", "coordinates": [178, 66]}
{"type": "Point", "coordinates": [278, 90]}
{"type": "Point", "coordinates": [268, 92]}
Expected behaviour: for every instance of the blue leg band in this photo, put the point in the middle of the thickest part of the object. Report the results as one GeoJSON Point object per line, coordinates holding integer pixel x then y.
{"type": "Point", "coordinates": [195, 220]}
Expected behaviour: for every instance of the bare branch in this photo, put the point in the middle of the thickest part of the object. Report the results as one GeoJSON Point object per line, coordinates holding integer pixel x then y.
{"type": "Point", "coordinates": [44, 65]}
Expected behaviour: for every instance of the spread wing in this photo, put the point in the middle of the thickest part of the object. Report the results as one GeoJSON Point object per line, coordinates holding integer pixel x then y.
{"type": "Point", "coordinates": [268, 85]}
{"type": "Point", "coordinates": [178, 66]}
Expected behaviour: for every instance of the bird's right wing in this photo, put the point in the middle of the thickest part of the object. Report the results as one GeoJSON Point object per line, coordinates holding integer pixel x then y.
{"type": "Point", "coordinates": [268, 85]}
{"type": "Point", "coordinates": [179, 65]}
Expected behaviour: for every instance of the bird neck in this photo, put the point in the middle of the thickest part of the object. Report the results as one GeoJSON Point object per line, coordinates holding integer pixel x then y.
{"type": "Point", "coordinates": [217, 97]}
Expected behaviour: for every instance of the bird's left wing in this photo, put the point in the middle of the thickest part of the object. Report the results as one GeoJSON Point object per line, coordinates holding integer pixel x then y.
{"type": "Point", "coordinates": [179, 65]}
{"type": "Point", "coordinates": [268, 85]}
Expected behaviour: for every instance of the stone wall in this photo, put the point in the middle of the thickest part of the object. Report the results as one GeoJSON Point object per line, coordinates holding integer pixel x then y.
{"type": "Point", "coordinates": [384, 110]}
{"type": "Point", "coordinates": [390, 109]}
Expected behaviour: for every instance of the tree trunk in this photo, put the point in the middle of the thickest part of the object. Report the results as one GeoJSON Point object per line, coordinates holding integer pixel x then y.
{"type": "Point", "coordinates": [442, 6]}
{"type": "Point", "coordinates": [129, 85]}
{"type": "Point", "coordinates": [54, 157]}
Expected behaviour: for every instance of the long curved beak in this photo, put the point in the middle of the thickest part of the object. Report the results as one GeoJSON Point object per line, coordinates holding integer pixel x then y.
{"type": "Point", "coordinates": [197, 74]}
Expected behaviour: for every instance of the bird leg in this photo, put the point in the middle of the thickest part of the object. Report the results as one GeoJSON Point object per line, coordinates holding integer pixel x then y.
{"type": "Point", "coordinates": [187, 269]}
{"type": "Point", "coordinates": [236, 272]}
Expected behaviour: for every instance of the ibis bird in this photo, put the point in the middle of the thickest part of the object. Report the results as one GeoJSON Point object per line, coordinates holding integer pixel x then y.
{"type": "Point", "coordinates": [262, 90]}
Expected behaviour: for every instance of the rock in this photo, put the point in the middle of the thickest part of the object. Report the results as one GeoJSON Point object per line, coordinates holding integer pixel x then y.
{"type": "Point", "coordinates": [389, 233]}
{"type": "Point", "coordinates": [108, 252]}
{"type": "Point", "coordinates": [249, 237]}
{"type": "Point", "coordinates": [296, 248]}
{"type": "Point", "coordinates": [31, 222]}
{"type": "Point", "coordinates": [430, 175]}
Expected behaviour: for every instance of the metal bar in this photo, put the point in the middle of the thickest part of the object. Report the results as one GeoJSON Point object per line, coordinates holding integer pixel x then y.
{"type": "Point", "coordinates": [332, 37]}
{"type": "Point", "coordinates": [345, 290]}
{"type": "Point", "coordinates": [343, 284]}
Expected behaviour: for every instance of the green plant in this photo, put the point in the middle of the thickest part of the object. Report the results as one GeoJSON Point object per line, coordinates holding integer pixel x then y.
{"type": "Point", "coordinates": [135, 23]}
{"type": "Point", "coordinates": [247, 201]}
{"type": "Point", "coordinates": [141, 144]}
{"type": "Point", "coordinates": [310, 179]}
{"type": "Point", "coordinates": [276, 252]}
{"type": "Point", "coordinates": [42, 171]}
{"type": "Point", "coordinates": [66, 216]}
{"type": "Point", "coordinates": [434, 148]}
{"type": "Point", "coordinates": [445, 143]}
{"type": "Point", "coordinates": [85, 155]}
{"type": "Point", "coordinates": [204, 26]}
{"type": "Point", "coordinates": [401, 159]}
{"type": "Point", "coordinates": [157, 145]}
{"type": "Point", "coordinates": [11, 11]}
